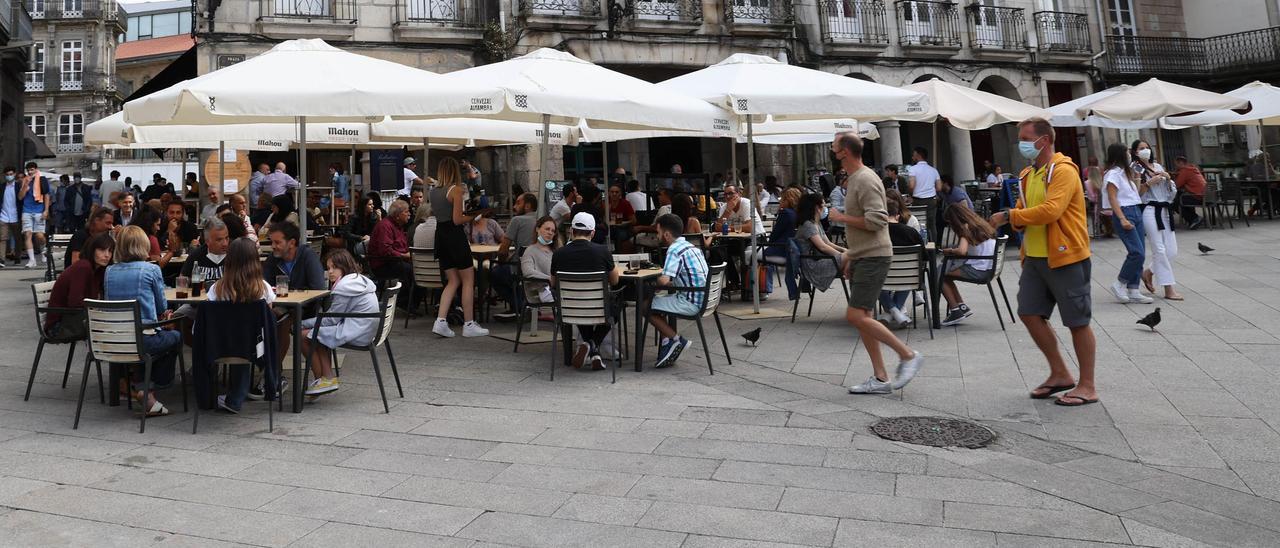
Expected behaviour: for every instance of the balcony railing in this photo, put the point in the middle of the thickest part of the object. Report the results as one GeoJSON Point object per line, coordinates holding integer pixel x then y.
{"type": "Point", "coordinates": [70, 148]}
{"type": "Point", "coordinates": [689, 11]}
{"type": "Point", "coordinates": [323, 11]}
{"type": "Point", "coordinates": [853, 21]}
{"type": "Point", "coordinates": [995, 27]}
{"type": "Point", "coordinates": [106, 10]}
{"type": "Point", "coordinates": [758, 12]}
{"type": "Point", "coordinates": [1236, 53]}
{"type": "Point", "coordinates": [52, 79]}
{"type": "Point", "coordinates": [925, 23]}
{"type": "Point", "coordinates": [577, 8]}
{"type": "Point", "coordinates": [1062, 32]}
{"type": "Point", "coordinates": [453, 13]}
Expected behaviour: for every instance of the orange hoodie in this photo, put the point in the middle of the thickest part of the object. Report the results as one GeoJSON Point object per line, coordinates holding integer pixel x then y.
{"type": "Point", "coordinates": [1062, 213]}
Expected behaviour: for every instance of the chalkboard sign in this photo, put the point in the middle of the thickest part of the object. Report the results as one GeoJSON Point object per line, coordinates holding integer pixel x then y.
{"type": "Point", "coordinates": [388, 169]}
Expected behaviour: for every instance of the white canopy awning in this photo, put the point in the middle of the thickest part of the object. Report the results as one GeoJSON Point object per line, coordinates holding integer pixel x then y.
{"type": "Point", "coordinates": [758, 85]}
{"type": "Point", "coordinates": [1264, 97]}
{"type": "Point", "coordinates": [769, 127]}
{"type": "Point", "coordinates": [1155, 99]}
{"type": "Point", "coordinates": [569, 89]}
{"type": "Point", "coordinates": [478, 131]}
{"type": "Point", "coordinates": [307, 78]}
{"type": "Point", "coordinates": [1064, 114]}
{"type": "Point", "coordinates": [866, 130]}
{"type": "Point", "coordinates": [114, 132]}
{"type": "Point", "coordinates": [968, 108]}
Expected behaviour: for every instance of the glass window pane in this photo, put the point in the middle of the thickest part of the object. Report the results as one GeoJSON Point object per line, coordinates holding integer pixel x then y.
{"type": "Point", "coordinates": [184, 23]}
{"type": "Point", "coordinates": [164, 24]}
{"type": "Point", "coordinates": [144, 26]}
{"type": "Point", "coordinates": [132, 33]}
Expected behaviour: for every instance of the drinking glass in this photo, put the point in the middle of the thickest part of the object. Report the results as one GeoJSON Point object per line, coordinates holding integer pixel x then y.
{"type": "Point", "coordinates": [282, 286]}
{"type": "Point", "coordinates": [183, 285]}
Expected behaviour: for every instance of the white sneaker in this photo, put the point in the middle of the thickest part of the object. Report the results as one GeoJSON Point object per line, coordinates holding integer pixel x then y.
{"type": "Point", "coordinates": [899, 316]}
{"type": "Point", "coordinates": [871, 386]}
{"type": "Point", "coordinates": [473, 329]}
{"type": "Point", "coordinates": [31, 264]}
{"type": "Point", "coordinates": [887, 319]}
{"type": "Point", "coordinates": [907, 370]}
{"type": "Point", "coordinates": [1120, 291]}
{"type": "Point", "coordinates": [1136, 296]}
{"type": "Point", "coordinates": [442, 328]}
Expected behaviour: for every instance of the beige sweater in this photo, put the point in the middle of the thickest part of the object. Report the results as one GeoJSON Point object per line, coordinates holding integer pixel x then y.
{"type": "Point", "coordinates": [865, 198]}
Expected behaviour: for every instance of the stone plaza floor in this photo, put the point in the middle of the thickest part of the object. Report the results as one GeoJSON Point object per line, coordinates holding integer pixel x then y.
{"type": "Point", "coordinates": [771, 451]}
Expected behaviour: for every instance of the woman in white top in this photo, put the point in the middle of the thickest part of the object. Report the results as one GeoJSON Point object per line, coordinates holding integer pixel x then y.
{"type": "Point", "coordinates": [1120, 196]}
{"type": "Point", "coordinates": [1157, 191]}
{"type": "Point", "coordinates": [975, 238]}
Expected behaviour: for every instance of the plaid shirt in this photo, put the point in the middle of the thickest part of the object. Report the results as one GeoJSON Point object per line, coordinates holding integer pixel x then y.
{"type": "Point", "coordinates": [686, 267]}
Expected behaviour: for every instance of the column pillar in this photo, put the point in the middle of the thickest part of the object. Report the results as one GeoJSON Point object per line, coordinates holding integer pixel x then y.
{"type": "Point", "coordinates": [961, 154]}
{"type": "Point", "coordinates": [890, 142]}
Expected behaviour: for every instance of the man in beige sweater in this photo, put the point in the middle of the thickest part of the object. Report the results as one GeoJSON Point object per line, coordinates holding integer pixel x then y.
{"type": "Point", "coordinates": [869, 253]}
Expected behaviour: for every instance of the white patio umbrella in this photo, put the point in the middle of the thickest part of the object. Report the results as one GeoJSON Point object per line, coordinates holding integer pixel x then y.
{"type": "Point", "coordinates": [972, 109]}
{"type": "Point", "coordinates": [1155, 99]}
{"type": "Point", "coordinates": [1264, 98]}
{"type": "Point", "coordinates": [866, 130]}
{"type": "Point", "coordinates": [1064, 114]}
{"type": "Point", "coordinates": [303, 81]}
{"type": "Point", "coordinates": [753, 86]}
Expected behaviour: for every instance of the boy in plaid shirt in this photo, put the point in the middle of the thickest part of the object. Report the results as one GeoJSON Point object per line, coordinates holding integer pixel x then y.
{"type": "Point", "coordinates": [685, 267]}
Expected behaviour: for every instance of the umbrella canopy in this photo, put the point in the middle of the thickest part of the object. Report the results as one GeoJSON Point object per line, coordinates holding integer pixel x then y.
{"type": "Point", "coordinates": [478, 131]}
{"type": "Point", "coordinates": [972, 109]}
{"type": "Point", "coordinates": [1155, 99]}
{"type": "Point", "coordinates": [758, 85]}
{"type": "Point", "coordinates": [1265, 99]}
{"type": "Point", "coordinates": [1064, 114]}
{"type": "Point", "coordinates": [569, 89]}
{"type": "Point", "coordinates": [306, 78]}
{"type": "Point", "coordinates": [866, 130]}
{"type": "Point", "coordinates": [770, 127]}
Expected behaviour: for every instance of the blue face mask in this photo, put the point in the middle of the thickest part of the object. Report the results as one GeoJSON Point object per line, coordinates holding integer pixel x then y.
{"type": "Point", "coordinates": [543, 241]}
{"type": "Point", "coordinates": [1028, 149]}
{"type": "Point", "coordinates": [9, 178]}
{"type": "Point", "coordinates": [825, 210]}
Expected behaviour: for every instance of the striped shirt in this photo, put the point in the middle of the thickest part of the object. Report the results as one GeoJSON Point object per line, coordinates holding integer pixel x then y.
{"type": "Point", "coordinates": [686, 267]}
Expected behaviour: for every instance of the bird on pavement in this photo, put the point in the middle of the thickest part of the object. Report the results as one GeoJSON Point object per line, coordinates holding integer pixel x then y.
{"type": "Point", "coordinates": [752, 336]}
{"type": "Point", "coordinates": [1204, 249]}
{"type": "Point", "coordinates": [1151, 320]}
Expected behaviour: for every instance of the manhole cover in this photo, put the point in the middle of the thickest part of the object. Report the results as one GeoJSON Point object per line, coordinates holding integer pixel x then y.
{"type": "Point", "coordinates": [934, 431]}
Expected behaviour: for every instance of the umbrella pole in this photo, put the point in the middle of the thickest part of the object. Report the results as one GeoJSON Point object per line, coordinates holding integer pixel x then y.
{"type": "Point", "coordinates": [751, 177]}
{"type": "Point", "coordinates": [542, 160]}
{"type": "Point", "coordinates": [302, 174]}
{"type": "Point", "coordinates": [426, 159]}
{"type": "Point", "coordinates": [222, 168]}
{"type": "Point", "coordinates": [604, 163]}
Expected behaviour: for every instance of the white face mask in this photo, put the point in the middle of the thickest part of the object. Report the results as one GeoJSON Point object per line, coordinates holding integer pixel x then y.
{"type": "Point", "coordinates": [1144, 154]}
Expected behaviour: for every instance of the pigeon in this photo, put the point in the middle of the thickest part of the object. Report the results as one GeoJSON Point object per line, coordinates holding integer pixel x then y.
{"type": "Point", "coordinates": [1204, 249]}
{"type": "Point", "coordinates": [1151, 320]}
{"type": "Point", "coordinates": [752, 336]}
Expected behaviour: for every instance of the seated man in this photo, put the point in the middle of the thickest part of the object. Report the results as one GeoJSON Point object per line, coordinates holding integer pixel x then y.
{"type": "Point", "coordinates": [177, 226]}
{"type": "Point", "coordinates": [389, 246]}
{"type": "Point", "coordinates": [581, 255]}
{"type": "Point", "coordinates": [100, 221]}
{"type": "Point", "coordinates": [647, 235]}
{"type": "Point", "coordinates": [289, 257]}
{"type": "Point", "coordinates": [739, 214]}
{"type": "Point", "coordinates": [1190, 183]}
{"type": "Point", "coordinates": [684, 267]}
{"type": "Point", "coordinates": [519, 235]}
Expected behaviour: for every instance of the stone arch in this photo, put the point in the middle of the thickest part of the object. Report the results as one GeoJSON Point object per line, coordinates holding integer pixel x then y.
{"type": "Point", "coordinates": [861, 76]}
{"type": "Point", "coordinates": [1001, 86]}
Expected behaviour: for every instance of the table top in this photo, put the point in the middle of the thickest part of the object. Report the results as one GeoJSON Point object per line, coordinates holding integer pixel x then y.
{"type": "Point", "coordinates": [742, 235]}
{"type": "Point", "coordinates": [295, 297]}
{"type": "Point", "coordinates": [484, 249]}
{"type": "Point", "coordinates": [643, 274]}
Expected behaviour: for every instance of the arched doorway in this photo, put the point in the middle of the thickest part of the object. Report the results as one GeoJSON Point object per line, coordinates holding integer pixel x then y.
{"type": "Point", "coordinates": [995, 144]}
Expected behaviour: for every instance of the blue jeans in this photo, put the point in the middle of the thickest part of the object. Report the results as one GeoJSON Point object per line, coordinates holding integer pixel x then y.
{"type": "Point", "coordinates": [1131, 270]}
{"type": "Point", "coordinates": [162, 367]}
{"type": "Point", "coordinates": [788, 277]}
{"type": "Point", "coordinates": [894, 299]}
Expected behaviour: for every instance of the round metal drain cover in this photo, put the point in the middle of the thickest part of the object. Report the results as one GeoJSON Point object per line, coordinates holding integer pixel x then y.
{"type": "Point", "coordinates": [934, 431]}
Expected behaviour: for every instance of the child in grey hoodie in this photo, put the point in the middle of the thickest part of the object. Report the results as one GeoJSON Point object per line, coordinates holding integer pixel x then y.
{"type": "Point", "coordinates": [352, 292]}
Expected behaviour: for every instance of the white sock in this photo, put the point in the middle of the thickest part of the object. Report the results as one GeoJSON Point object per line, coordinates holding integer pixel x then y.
{"type": "Point", "coordinates": [31, 255]}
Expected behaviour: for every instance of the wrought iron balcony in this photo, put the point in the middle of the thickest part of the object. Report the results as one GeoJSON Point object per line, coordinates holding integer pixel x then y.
{"type": "Point", "coordinates": [1062, 32]}
{"type": "Point", "coordinates": [54, 80]}
{"type": "Point", "coordinates": [854, 22]}
{"type": "Point", "coordinates": [928, 23]}
{"type": "Point", "coordinates": [449, 13]}
{"type": "Point", "coordinates": [758, 12]}
{"type": "Point", "coordinates": [996, 28]}
{"type": "Point", "coordinates": [71, 148]}
{"type": "Point", "coordinates": [688, 11]}
{"type": "Point", "coordinates": [322, 11]}
{"type": "Point", "coordinates": [575, 8]}
{"type": "Point", "coordinates": [106, 10]}
{"type": "Point", "coordinates": [1224, 55]}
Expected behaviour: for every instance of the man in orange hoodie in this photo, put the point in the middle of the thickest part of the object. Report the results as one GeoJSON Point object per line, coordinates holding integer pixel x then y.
{"type": "Point", "coordinates": [1056, 270]}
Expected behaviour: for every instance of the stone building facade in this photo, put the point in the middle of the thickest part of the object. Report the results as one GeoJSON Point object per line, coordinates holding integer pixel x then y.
{"type": "Point", "coordinates": [1038, 51]}
{"type": "Point", "coordinates": [15, 51]}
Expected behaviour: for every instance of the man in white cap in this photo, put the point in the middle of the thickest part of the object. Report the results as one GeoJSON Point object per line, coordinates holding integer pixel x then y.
{"type": "Point", "coordinates": [410, 177]}
{"type": "Point", "coordinates": [581, 255]}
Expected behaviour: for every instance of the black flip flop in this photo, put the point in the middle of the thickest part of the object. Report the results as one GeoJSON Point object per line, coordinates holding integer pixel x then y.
{"type": "Point", "coordinates": [1052, 390]}
{"type": "Point", "coordinates": [1082, 401]}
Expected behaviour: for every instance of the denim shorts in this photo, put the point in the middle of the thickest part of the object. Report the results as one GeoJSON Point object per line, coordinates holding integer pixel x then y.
{"type": "Point", "coordinates": [33, 222]}
{"type": "Point", "coordinates": [674, 304]}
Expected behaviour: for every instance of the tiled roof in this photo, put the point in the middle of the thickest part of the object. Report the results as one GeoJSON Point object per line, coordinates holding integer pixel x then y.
{"type": "Point", "coordinates": [155, 46]}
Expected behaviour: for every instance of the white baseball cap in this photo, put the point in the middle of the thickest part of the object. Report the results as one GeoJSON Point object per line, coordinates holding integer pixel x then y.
{"type": "Point", "coordinates": [410, 161]}
{"type": "Point", "coordinates": [584, 221]}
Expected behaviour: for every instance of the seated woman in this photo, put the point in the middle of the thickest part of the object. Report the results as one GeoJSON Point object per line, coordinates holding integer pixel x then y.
{"type": "Point", "coordinates": [241, 282]}
{"type": "Point", "coordinates": [784, 229]}
{"type": "Point", "coordinates": [535, 264]}
{"type": "Point", "coordinates": [282, 211]}
{"type": "Point", "coordinates": [682, 207]}
{"type": "Point", "coordinates": [352, 292]}
{"type": "Point", "coordinates": [83, 280]}
{"type": "Point", "coordinates": [893, 303]}
{"type": "Point", "coordinates": [132, 278]}
{"type": "Point", "coordinates": [484, 230]}
{"type": "Point", "coordinates": [812, 240]}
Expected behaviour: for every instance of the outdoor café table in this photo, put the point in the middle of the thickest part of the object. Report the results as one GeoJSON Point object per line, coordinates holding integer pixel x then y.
{"type": "Point", "coordinates": [638, 280]}
{"type": "Point", "coordinates": [1264, 196]}
{"type": "Point", "coordinates": [297, 299]}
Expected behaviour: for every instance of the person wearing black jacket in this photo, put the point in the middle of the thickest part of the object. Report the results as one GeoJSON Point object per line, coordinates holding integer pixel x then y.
{"type": "Point", "coordinates": [176, 222]}
{"type": "Point", "coordinates": [290, 257]}
{"type": "Point", "coordinates": [208, 258]}
{"type": "Point", "coordinates": [363, 219]}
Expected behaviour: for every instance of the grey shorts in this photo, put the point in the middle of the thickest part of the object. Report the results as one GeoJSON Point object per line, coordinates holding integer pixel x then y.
{"type": "Point", "coordinates": [1041, 288]}
{"type": "Point", "coordinates": [968, 273]}
{"type": "Point", "coordinates": [866, 277]}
